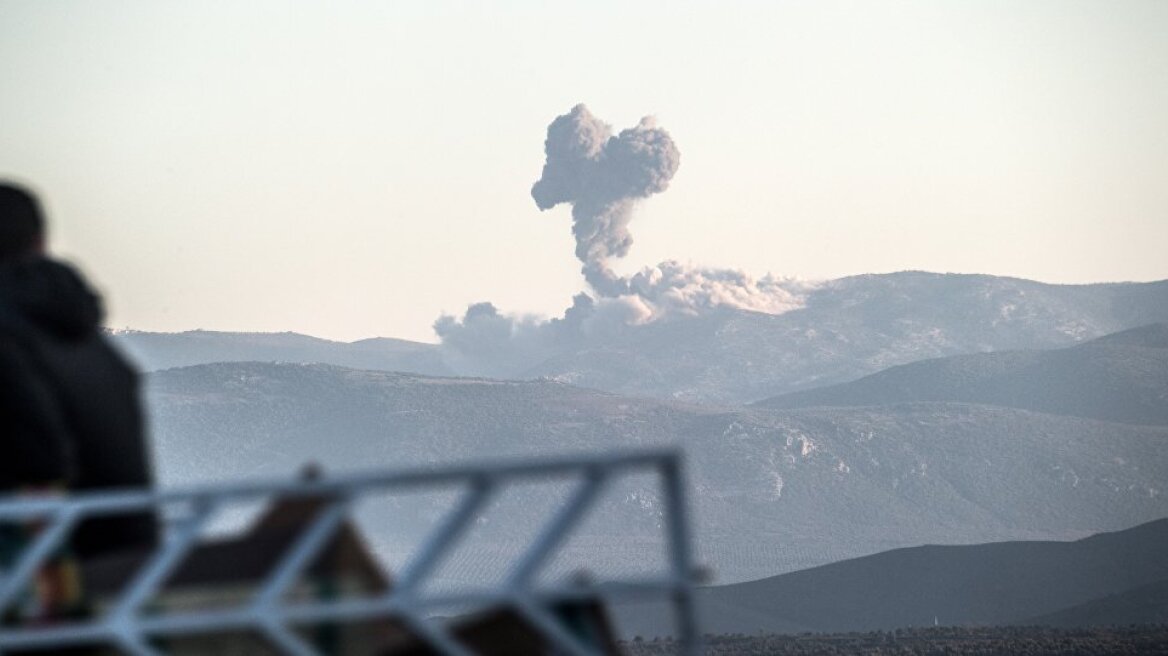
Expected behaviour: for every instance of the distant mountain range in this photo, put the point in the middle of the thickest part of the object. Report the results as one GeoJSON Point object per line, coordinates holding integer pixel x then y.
{"type": "Point", "coordinates": [900, 410]}
{"type": "Point", "coordinates": [848, 328]}
{"type": "Point", "coordinates": [155, 351]}
{"type": "Point", "coordinates": [1120, 377]}
{"type": "Point", "coordinates": [775, 491]}
{"type": "Point", "coordinates": [1142, 604]}
{"type": "Point", "coordinates": [1097, 580]}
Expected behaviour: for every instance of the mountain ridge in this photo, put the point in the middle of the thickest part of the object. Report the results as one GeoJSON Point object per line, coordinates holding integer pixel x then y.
{"type": "Point", "coordinates": [982, 584]}
{"type": "Point", "coordinates": [847, 328]}
{"type": "Point", "coordinates": [154, 351]}
{"type": "Point", "coordinates": [774, 491]}
{"type": "Point", "coordinates": [1118, 377]}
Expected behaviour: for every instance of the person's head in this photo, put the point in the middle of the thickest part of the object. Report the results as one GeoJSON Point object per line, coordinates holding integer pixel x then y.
{"type": "Point", "coordinates": [22, 225]}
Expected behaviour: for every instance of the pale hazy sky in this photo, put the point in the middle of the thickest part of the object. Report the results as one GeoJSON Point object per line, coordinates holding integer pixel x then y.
{"type": "Point", "coordinates": [350, 169]}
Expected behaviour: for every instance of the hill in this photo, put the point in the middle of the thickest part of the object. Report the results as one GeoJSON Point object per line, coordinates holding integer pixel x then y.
{"type": "Point", "coordinates": [846, 329]}
{"type": "Point", "coordinates": [154, 351]}
{"type": "Point", "coordinates": [774, 491]}
{"type": "Point", "coordinates": [849, 328]}
{"type": "Point", "coordinates": [985, 584]}
{"type": "Point", "coordinates": [1144, 604]}
{"type": "Point", "coordinates": [1119, 377]}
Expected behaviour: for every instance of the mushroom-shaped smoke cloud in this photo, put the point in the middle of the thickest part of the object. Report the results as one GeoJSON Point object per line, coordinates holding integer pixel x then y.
{"type": "Point", "coordinates": [601, 177]}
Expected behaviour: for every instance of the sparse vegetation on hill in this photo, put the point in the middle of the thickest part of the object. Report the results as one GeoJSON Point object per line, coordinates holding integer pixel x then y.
{"type": "Point", "coordinates": [1121, 377]}
{"type": "Point", "coordinates": [774, 491]}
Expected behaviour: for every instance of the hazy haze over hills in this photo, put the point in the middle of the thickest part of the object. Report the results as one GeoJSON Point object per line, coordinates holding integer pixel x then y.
{"type": "Point", "coordinates": [599, 277]}
{"type": "Point", "coordinates": [154, 351]}
{"type": "Point", "coordinates": [979, 447]}
{"type": "Point", "coordinates": [851, 327]}
{"type": "Point", "coordinates": [774, 491]}
{"type": "Point", "coordinates": [1119, 377]}
{"type": "Point", "coordinates": [847, 328]}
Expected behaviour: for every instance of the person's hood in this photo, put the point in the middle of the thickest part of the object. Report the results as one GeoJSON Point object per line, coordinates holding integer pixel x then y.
{"type": "Point", "coordinates": [52, 296]}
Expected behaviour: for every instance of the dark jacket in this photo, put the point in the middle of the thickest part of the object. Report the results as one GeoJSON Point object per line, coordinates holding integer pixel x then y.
{"type": "Point", "coordinates": [69, 403]}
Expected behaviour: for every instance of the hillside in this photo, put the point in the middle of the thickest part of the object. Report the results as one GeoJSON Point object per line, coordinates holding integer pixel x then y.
{"type": "Point", "coordinates": [774, 491]}
{"type": "Point", "coordinates": [1118, 377]}
{"type": "Point", "coordinates": [985, 584]}
{"type": "Point", "coordinates": [1144, 604]}
{"type": "Point", "coordinates": [847, 328]}
{"type": "Point", "coordinates": [154, 351]}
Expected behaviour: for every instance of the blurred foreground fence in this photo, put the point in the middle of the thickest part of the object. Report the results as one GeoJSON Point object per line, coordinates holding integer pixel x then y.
{"type": "Point", "coordinates": [133, 619]}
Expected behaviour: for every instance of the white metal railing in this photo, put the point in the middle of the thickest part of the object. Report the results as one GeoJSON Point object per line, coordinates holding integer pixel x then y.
{"type": "Point", "coordinates": [130, 627]}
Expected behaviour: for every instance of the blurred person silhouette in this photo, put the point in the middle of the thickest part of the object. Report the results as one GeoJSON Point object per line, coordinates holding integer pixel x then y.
{"type": "Point", "coordinates": [70, 416]}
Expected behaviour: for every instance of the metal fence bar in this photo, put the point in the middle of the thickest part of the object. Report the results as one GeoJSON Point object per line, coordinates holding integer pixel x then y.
{"type": "Point", "coordinates": [440, 541]}
{"type": "Point", "coordinates": [555, 632]}
{"type": "Point", "coordinates": [201, 622]}
{"type": "Point", "coordinates": [153, 574]}
{"type": "Point", "coordinates": [44, 544]}
{"type": "Point", "coordinates": [111, 503]}
{"type": "Point", "coordinates": [67, 636]}
{"type": "Point", "coordinates": [127, 626]}
{"type": "Point", "coordinates": [402, 596]}
{"type": "Point", "coordinates": [323, 527]}
{"type": "Point", "coordinates": [288, 642]}
{"type": "Point", "coordinates": [557, 530]}
{"type": "Point", "coordinates": [439, 639]}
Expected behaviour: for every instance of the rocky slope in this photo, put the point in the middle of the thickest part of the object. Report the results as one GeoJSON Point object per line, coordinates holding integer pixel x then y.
{"type": "Point", "coordinates": [774, 491]}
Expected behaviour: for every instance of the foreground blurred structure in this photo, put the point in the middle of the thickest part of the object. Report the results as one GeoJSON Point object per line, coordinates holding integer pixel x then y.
{"type": "Point", "coordinates": [300, 580]}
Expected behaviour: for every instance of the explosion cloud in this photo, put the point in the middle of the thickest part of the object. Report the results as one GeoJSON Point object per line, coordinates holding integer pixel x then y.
{"type": "Point", "coordinates": [602, 177]}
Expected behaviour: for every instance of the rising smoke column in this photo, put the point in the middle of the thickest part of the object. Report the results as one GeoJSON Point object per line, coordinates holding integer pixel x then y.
{"type": "Point", "coordinates": [602, 177]}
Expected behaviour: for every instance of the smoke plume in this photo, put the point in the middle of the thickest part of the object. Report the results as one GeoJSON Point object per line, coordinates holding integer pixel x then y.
{"type": "Point", "coordinates": [602, 177]}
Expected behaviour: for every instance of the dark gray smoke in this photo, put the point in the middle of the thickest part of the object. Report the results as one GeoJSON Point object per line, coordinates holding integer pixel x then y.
{"type": "Point", "coordinates": [484, 342]}
{"type": "Point", "coordinates": [602, 177]}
